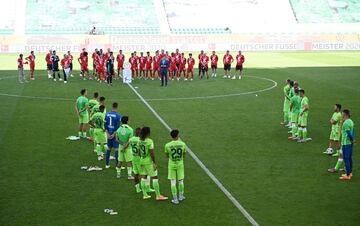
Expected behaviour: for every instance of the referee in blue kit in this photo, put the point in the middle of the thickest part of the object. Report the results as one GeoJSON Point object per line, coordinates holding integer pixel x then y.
{"type": "Point", "coordinates": [164, 65]}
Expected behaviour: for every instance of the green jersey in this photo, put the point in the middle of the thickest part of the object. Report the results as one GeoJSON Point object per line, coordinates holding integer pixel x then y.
{"type": "Point", "coordinates": [81, 104]}
{"type": "Point", "coordinates": [134, 145]}
{"type": "Point", "coordinates": [295, 101]}
{"type": "Point", "coordinates": [336, 117]}
{"type": "Point", "coordinates": [145, 147]}
{"type": "Point", "coordinates": [348, 125]}
{"type": "Point", "coordinates": [92, 103]}
{"type": "Point", "coordinates": [96, 108]}
{"type": "Point", "coordinates": [176, 150]}
{"type": "Point", "coordinates": [98, 119]}
{"type": "Point", "coordinates": [291, 92]}
{"type": "Point", "coordinates": [124, 133]}
{"type": "Point", "coordinates": [286, 91]}
{"type": "Point", "coordinates": [304, 102]}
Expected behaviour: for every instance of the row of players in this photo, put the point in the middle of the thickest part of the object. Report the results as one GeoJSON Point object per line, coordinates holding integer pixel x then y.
{"type": "Point", "coordinates": [141, 66]}
{"type": "Point", "coordinates": [111, 132]}
{"type": "Point", "coordinates": [296, 112]}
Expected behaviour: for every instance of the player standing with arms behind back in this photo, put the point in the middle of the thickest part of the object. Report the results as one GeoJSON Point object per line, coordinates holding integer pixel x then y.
{"type": "Point", "coordinates": [227, 60]}
{"type": "Point", "coordinates": [175, 151]}
{"type": "Point", "coordinates": [240, 59]}
{"type": "Point", "coordinates": [120, 58]}
{"type": "Point", "coordinates": [190, 68]}
{"type": "Point", "coordinates": [81, 109]}
{"type": "Point", "coordinates": [112, 123]}
{"type": "Point", "coordinates": [214, 60]}
{"type": "Point", "coordinates": [49, 64]}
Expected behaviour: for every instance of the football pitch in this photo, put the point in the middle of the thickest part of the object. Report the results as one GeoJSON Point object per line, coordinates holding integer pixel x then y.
{"type": "Point", "coordinates": [233, 127]}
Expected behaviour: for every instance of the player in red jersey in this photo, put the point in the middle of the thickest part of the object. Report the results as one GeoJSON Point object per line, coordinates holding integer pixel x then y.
{"type": "Point", "coordinates": [204, 66]}
{"type": "Point", "coordinates": [199, 58]}
{"type": "Point", "coordinates": [20, 67]}
{"type": "Point", "coordinates": [177, 56]}
{"type": "Point", "coordinates": [100, 67]}
{"type": "Point", "coordinates": [83, 61]}
{"type": "Point", "coordinates": [94, 56]}
{"type": "Point", "coordinates": [62, 64]}
{"type": "Point", "coordinates": [133, 63]}
{"type": "Point", "coordinates": [49, 64]}
{"type": "Point", "coordinates": [173, 68]}
{"type": "Point", "coordinates": [148, 60]}
{"type": "Point", "coordinates": [214, 59]}
{"type": "Point", "coordinates": [240, 59]}
{"type": "Point", "coordinates": [120, 58]}
{"type": "Point", "coordinates": [190, 69]}
{"type": "Point", "coordinates": [142, 62]}
{"type": "Point", "coordinates": [162, 54]}
{"type": "Point", "coordinates": [156, 64]}
{"type": "Point", "coordinates": [227, 60]}
{"type": "Point", "coordinates": [31, 60]}
{"type": "Point", "coordinates": [182, 66]}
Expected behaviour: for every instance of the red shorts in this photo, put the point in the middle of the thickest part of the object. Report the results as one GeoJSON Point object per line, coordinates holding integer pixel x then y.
{"type": "Point", "coordinates": [121, 66]}
{"type": "Point", "coordinates": [190, 69]}
{"type": "Point", "coordinates": [84, 68]}
{"type": "Point", "coordinates": [182, 68]}
{"type": "Point", "coordinates": [156, 67]}
{"type": "Point", "coordinates": [142, 67]}
{"type": "Point", "coordinates": [148, 67]}
{"type": "Point", "coordinates": [173, 68]}
{"type": "Point", "coordinates": [100, 70]}
{"type": "Point", "coordinates": [32, 67]}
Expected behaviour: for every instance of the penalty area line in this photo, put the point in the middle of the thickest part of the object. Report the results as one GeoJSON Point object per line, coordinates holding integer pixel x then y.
{"type": "Point", "coordinates": [200, 163]}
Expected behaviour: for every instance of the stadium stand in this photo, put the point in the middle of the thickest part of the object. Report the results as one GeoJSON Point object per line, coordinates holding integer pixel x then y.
{"type": "Point", "coordinates": [326, 11]}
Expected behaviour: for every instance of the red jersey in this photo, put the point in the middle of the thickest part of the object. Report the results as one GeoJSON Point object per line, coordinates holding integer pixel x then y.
{"type": "Point", "coordinates": [120, 58]}
{"type": "Point", "coordinates": [240, 59]}
{"type": "Point", "coordinates": [205, 61]}
{"type": "Point", "coordinates": [70, 57]}
{"type": "Point", "coordinates": [107, 56]}
{"type": "Point", "coordinates": [214, 59]}
{"type": "Point", "coordinates": [31, 60]}
{"type": "Point", "coordinates": [199, 57]}
{"type": "Point", "coordinates": [20, 63]}
{"type": "Point", "coordinates": [227, 59]}
{"type": "Point", "coordinates": [177, 57]}
{"type": "Point", "coordinates": [84, 60]}
{"type": "Point", "coordinates": [142, 61]}
{"type": "Point", "coordinates": [48, 58]}
{"type": "Point", "coordinates": [100, 62]}
{"type": "Point", "coordinates": [133, 62]}
{"type": "Point", "coordinates": [182, 63]}
{"type": "Point", "coordinates": [190, 62]}
{"type": "Point", "coordinates": [94, 56]}
{"type": "Point", "coordinates": [173, 63]}
{"type": "Point", "coordinates": [156, 64]}
{"type": "Point", "coordinates": [148, 60]}
{"type": "Point", "coordinates": [62, 62]}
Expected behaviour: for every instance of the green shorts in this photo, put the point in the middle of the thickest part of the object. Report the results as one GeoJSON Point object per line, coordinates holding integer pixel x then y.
{"type": "Point", "coordinates": [136, 167]}
{"type": "Point", "coordinates": [294, 117]}
{"type": "Point", "coordinates": [84, 118]}
{"type": "Point", "coordinates": [125, 156]}
{"type": "Point", "coordinates": [335, 135]}
{"type": "Point", "coordinates": [176, 173]}
{"type": "Point", "coordinates": [100, 136]}
{"type": "Point", "coordinates": [303, 120]}
{"type": "Point", "coordinates": [148, 170]}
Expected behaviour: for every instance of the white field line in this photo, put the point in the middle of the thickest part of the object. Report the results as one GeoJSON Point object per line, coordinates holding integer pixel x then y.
{"type": "Point", "coordinates": [201, 164]}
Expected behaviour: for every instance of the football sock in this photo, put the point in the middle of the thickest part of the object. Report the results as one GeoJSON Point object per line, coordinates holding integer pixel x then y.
{"type": "Point", "coordinates": [108, 157]}
{"type": "Point", "coordinates": [118, 171]}
{"type": "Point", "coordinates": [300, 132]}
{"type": "Point", "coordinates": [98, 149]}
{"type": "Point", "coordinates": [80, 134]}
{"type": "Point", "coordinates": [304, 131]}
{"type": "Point", "coordinates": [339, 164]}
{"type": "Point", "coordinates": [293, 129]}
{"type": "Point", "coordinates": [173, 189]}
{"type": "Point", "coordinates": [286, 116]}
{"type": "Point", "coordinates": [137, 188]}
{"type": "Point", "coordinates": [147, 183]}
{"type": "Point", "coordinates": [117, 157]}
{"type": "Point", "coordinates": [181, 187]}
{"type": "Point", "coordinates": [143, 186]}
{"type": "Point", "coordinates": [156, 187]}
{"type": "Point", "coordinates": [129, 169]}
{"type": "Point", "coordinates": [84, 134]}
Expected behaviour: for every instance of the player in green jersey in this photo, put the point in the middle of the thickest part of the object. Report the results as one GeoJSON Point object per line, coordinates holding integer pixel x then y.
{"type": "Point", "coordinates": [97, 121]}
{"type": "Point", "coordinates": [135, 148]}
{"type": "Point", "coordinates": [148, 164]}
{"type": "Point", "coordinates": [335, 132]}
{"type": "Point", "coordinates": [94, 101]}
{"type": "Point", "coordinates": [286, 106]}
{"type": "Point", "coordinates": [303, 117]}
{"type": "Point", "coordinates": [95, 108]}
{"type": "Point", "coordinates": [81, 109]}
{"type": "Point", "coordinates": [347, 143]}
{"type": "Point", "coordinates": [175, 151]}
{"type": "Point", "coordinates": [295, 102]}
{"type": "Point", "coordinates": [123, 135]}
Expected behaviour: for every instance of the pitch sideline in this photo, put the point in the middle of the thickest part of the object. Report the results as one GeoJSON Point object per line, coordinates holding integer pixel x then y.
{"type": "Point", "coordinates": [200, 163]}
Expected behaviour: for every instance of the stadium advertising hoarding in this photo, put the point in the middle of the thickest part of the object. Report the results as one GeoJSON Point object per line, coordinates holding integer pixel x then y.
{"type": "Point", "coordinates": [263, 42]}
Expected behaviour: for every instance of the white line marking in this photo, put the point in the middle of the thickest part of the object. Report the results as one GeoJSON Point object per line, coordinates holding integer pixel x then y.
{"type": "Point", "coordinates": [199, 162]}
{"type": "Point", "coordinates": [155, 99]}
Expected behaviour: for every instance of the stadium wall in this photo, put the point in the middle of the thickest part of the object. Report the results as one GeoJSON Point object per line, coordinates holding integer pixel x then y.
{"type": "Point", "coordinates": [271, 42]}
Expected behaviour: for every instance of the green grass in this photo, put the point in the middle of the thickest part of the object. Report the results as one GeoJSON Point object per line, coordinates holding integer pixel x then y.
{"type": "Point", "coordinates": [238, 138]}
